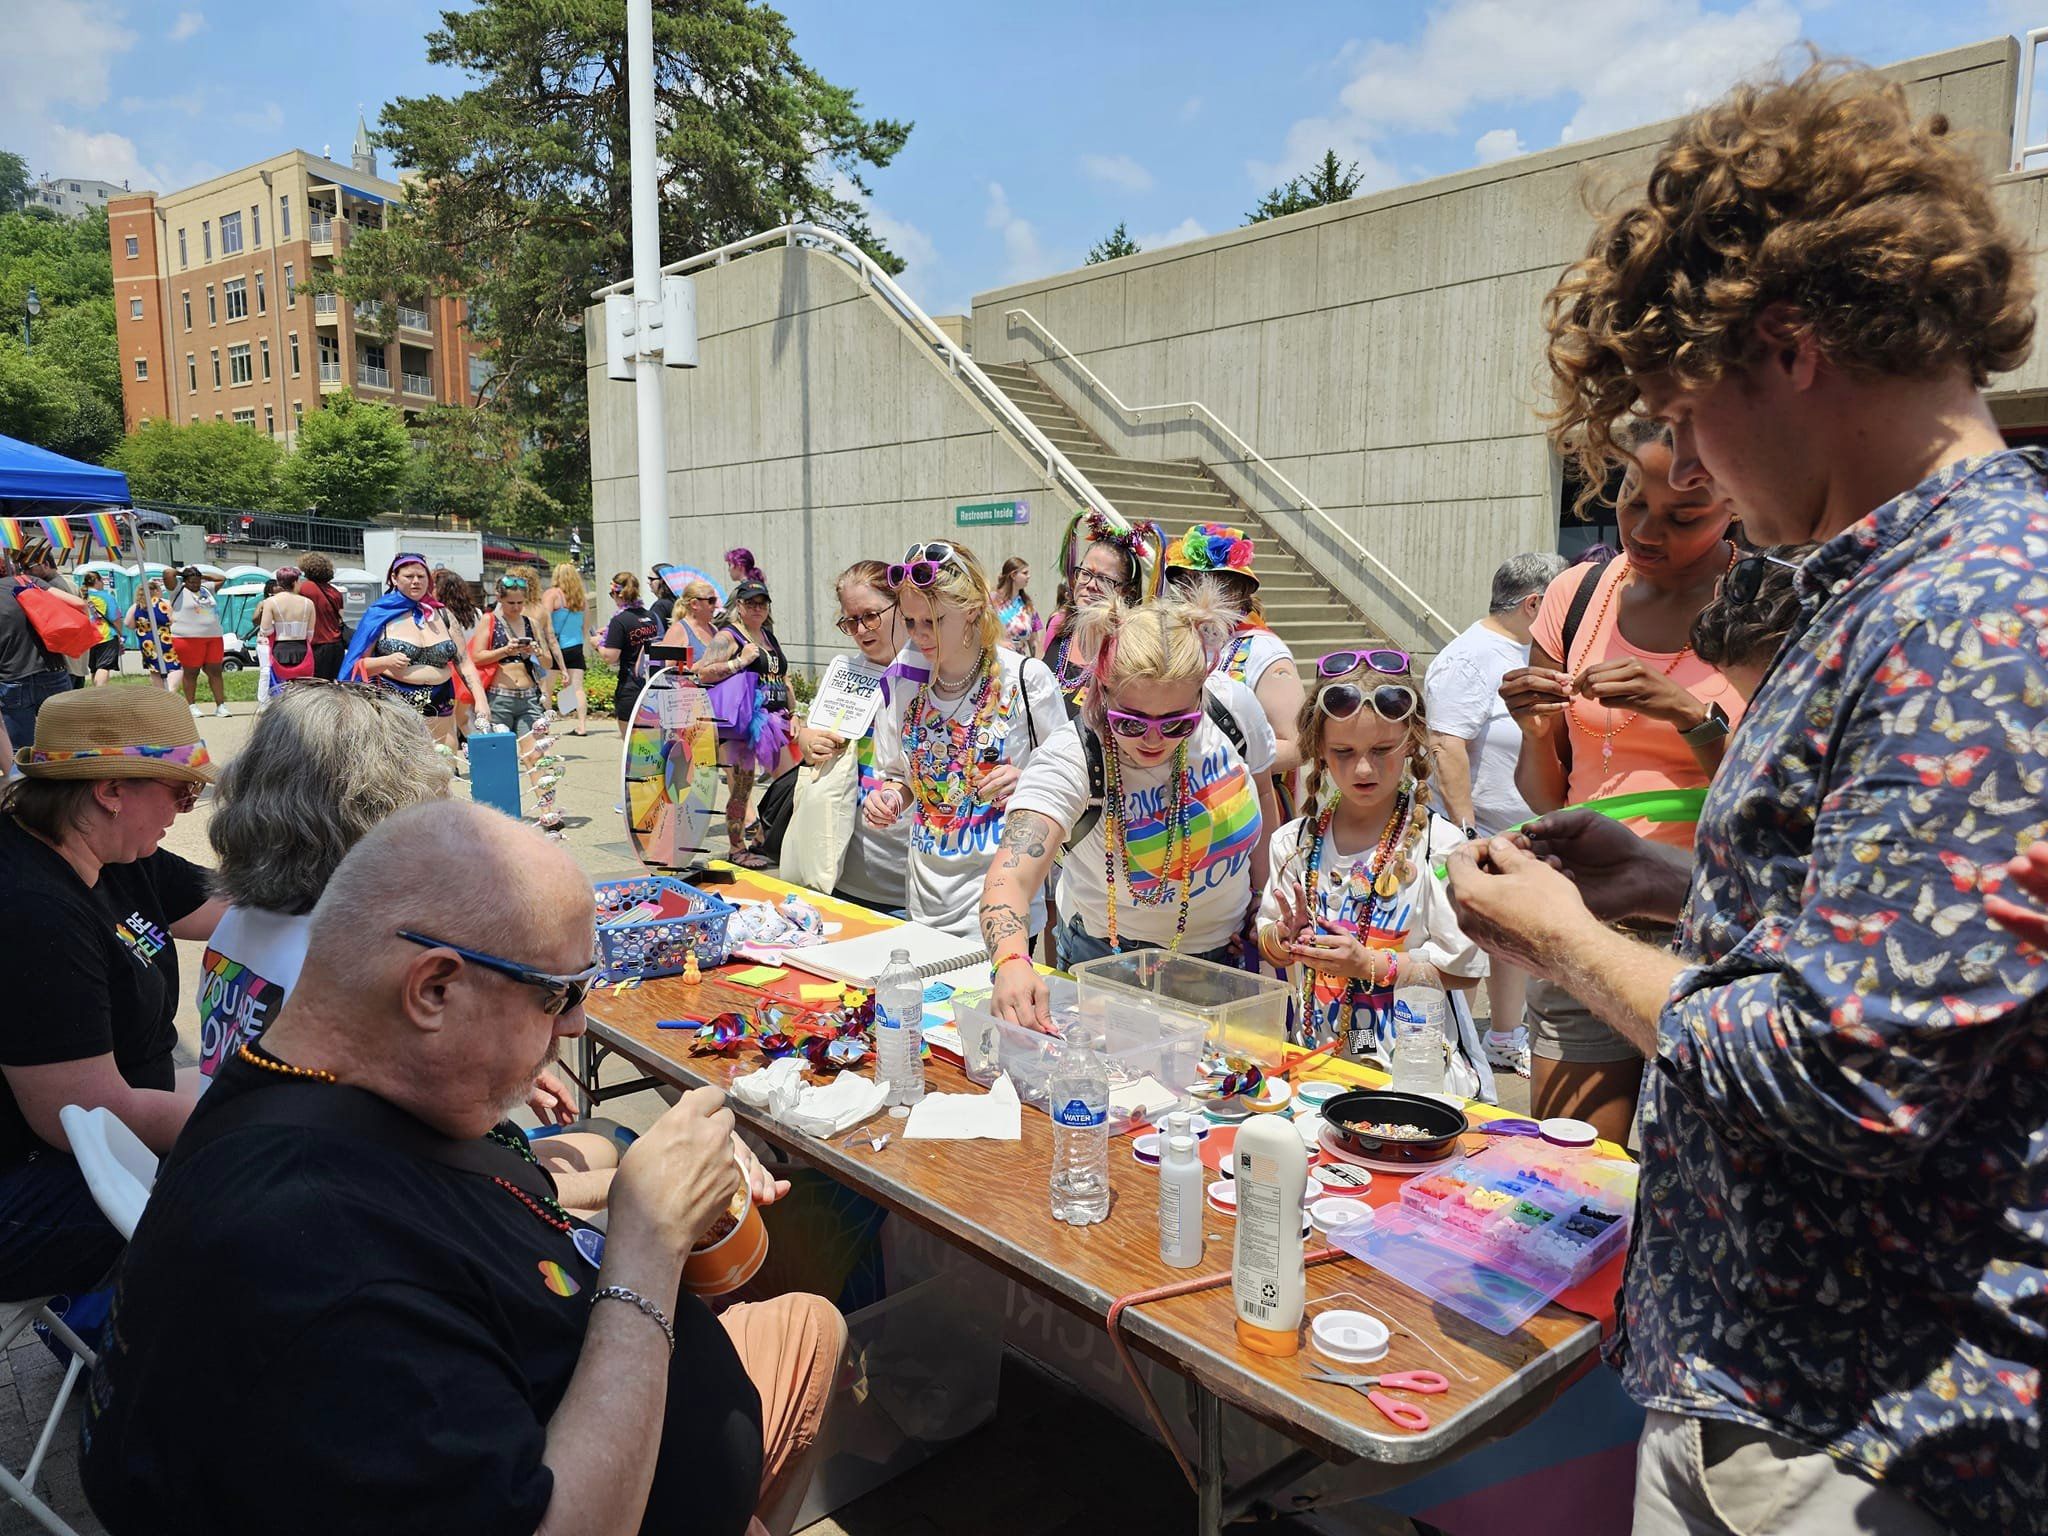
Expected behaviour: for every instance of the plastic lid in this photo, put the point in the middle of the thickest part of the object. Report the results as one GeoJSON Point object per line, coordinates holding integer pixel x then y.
{"type": "Point", "coordinates": [1348, 1337]}
{"type": "Point", "coordinates": [1181, 1144]}
{"type": "Point", "coordinates": [1569, 1133]}
{"type": "Point", "coordinates": [1335, 1213]}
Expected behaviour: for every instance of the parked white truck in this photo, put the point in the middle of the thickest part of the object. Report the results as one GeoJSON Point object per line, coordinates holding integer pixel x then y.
{"type": "Point", "coordinates": [462, 553]}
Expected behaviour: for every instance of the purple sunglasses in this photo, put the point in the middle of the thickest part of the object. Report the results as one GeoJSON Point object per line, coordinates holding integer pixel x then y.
{"type": "Point", "coordinates": [1337, 663]}
{"type": "Point", "coordinates": [920, 564]}
{"type": "Point", "coordinates": [1136, 727]}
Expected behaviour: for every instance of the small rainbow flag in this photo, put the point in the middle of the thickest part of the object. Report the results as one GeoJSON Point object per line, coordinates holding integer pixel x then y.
{"type": "Point", "coordinates": [10, 532]}
{"type": "Point", "coordinates": [107, 528]}
{"type": "Point", "coordinates": [57, 531]}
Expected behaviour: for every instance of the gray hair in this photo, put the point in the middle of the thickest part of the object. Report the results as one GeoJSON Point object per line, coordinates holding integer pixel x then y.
{"type": "Point", "coordinates": [1522, 576]}
{"type": "Point", "coordinates": [324, 765]}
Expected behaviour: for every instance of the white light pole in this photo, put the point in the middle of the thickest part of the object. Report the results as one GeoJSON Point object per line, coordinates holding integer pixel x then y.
{"type": "Point", "coordinates": [647, 303]}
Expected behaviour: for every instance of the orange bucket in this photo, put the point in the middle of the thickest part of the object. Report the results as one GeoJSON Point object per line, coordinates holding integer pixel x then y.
{"type": "Point", "coordinates": [731, 1253]}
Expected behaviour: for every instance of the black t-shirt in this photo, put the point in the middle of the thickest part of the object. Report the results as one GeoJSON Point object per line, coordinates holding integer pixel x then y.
{"type": "Point", "coordinates": [97, 969]}
{"type": "Point", "coordinates": [21, 648]}
{"type": "Point", "coordinates": [332, 1335]}
{"type": "Point", "coordinates": [631, 630]}
{"type": "Point", "coordinates": [665, 610]}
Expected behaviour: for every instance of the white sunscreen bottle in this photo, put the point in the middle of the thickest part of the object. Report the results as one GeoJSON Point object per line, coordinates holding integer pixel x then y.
{"type": "Point", "coordinates": [1181, 1177]}
{"type": "Point", "coordinates": [1267, 1273]}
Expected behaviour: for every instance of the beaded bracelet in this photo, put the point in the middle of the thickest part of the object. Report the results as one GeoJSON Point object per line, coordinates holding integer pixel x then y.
{"type": "Point", "coordinates": [1003, 960]}
{"type": "Point", "coordinates": [621, 1293]}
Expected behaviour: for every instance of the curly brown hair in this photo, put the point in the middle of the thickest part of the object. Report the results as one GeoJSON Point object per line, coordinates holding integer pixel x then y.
{"type": "Point", "coordinates": [1875, 232]}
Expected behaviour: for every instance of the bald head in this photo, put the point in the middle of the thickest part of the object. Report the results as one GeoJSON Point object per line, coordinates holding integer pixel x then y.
{"type": "Point", "coordinates": [451, 1040]}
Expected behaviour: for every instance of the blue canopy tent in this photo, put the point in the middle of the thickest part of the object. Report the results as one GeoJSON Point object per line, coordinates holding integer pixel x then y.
{"type": "Point", "coordinates": [29, 473]}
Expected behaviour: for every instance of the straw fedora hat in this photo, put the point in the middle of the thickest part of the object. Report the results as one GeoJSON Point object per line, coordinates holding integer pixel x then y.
{"type": "Point", "coordinates": [117, 733]}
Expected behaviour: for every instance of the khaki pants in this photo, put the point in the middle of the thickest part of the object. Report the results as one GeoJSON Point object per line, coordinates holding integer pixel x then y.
{"type": "Point", "coordinates": [791, 1348]}
{"type": "Point", "coordinates": [1705, 1477]}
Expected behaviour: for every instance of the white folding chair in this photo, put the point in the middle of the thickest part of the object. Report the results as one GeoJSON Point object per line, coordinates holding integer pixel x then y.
{"type": "Point", "coordinates": [119, 1170]}
{"type": "Point", "coordinates": [14, 1317]}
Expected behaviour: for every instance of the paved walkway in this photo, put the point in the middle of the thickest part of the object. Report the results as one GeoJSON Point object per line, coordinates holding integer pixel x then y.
{"type": "Point", "coordinates": [1058, 1453]}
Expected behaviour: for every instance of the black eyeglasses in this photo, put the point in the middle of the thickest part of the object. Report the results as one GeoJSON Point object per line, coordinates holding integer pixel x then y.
{"type": "Point", "coordinates": [848, 623]}
{"type": "Point", "coordinates": [561, 992]}
{"type": "Point", "coordinates": [1745, 578]}
{"type": "Point", "coordinates": [1337, 663]}
{"type": "Point", "coordinates": [1390, 701]}
{"type": "Point", "coordinates": [920, 564]}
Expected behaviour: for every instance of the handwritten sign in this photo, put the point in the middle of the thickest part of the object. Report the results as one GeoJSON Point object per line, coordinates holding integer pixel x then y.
{"type": "Point", "coordinates": [846, 700]}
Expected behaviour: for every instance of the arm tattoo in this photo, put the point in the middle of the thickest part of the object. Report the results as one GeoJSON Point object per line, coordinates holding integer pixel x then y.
{"type": "Point", "coordinates": [1024, 832]}
{"type": "Point", "coordinates": [1000, 921]}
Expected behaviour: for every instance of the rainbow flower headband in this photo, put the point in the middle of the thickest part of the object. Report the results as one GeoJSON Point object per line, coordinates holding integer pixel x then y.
{"type": "Point", "coordinates": [1214, 547]}
{"type": "Point", "coordinates": [191, 755]}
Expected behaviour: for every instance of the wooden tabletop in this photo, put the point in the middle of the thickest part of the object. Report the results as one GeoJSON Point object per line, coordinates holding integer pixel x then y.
{"type": "Point", "coordinates": [992, 1198]}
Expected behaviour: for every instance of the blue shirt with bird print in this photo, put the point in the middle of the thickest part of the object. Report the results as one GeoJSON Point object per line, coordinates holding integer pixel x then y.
{"type": "Point", "coordinates": [1842, 1230]}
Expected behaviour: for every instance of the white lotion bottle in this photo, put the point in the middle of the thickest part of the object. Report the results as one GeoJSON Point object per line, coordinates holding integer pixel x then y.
{"type": "Point", "coordinates": [1181, 1177]}
{"type": "Point", "coordinates": [1267, 1275]}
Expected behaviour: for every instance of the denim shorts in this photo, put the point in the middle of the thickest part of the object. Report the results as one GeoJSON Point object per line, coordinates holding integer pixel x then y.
{"type": "Point", "coordinates": [21, 697]}
{"type": "Point", "coordinates": [1073, 943]}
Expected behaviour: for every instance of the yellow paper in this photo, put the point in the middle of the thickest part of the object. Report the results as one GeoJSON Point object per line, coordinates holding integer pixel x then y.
{"type": "Point", "coordinates": [758, 975]}
{"type": "Point", "coordinates": [824, 992]}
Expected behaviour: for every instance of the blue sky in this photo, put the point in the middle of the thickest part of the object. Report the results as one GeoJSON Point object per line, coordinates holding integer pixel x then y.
{"type": "Point", "coordinates": [1038, 128]}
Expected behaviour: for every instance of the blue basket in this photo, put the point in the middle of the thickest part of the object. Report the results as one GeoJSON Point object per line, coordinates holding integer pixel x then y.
{"type": "Point", "coordinates": [660, 946]}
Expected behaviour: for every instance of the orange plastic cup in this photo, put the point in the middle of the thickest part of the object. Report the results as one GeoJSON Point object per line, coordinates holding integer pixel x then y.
{"type": "Point", "coordinates": [731, 1253]}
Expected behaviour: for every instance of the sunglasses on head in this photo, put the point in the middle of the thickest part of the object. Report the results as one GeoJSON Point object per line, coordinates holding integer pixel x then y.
{"type": "Point", "coordinates": [1390, 701]}
{"type": "Point", "coordinates": [1745, 578]}
{"type": "Point", "coordinates": [1136, 727]}
{"type": "Point", "coordinates": [1337, 663]}
{"type": "Point", "coordinates": [560, 993]}
{"type": "Point", "coordinates": [848, 623]}
{"type": "Point", "coordinates": [511, 582]}
{"type": "Point", "coordinates": [920, 564]}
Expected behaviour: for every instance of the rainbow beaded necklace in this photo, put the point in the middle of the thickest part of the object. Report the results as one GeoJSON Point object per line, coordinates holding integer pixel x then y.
{"type": "Point", "coordinates": [941, 769]}
{"type": "Point", "coordinates": [1385, 886]}
{"type": "Point", "coordinates": [1116, 844]}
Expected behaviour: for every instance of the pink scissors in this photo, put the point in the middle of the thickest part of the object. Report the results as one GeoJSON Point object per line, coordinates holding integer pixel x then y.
{"type": "Point", "coordinates": [1403, 1415]}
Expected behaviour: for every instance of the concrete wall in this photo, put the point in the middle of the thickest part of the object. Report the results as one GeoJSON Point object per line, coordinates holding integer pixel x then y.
{"type": "Point", "coordinates": [1384, 354]}
{"type": "Point", "coordinates": [817, 430]}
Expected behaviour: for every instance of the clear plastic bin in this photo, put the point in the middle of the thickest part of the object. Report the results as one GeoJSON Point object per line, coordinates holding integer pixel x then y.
{"type": "Point", "coordinates": [1237, 1012]}
{"type": "Point", "coordinates": [1139, 1045]}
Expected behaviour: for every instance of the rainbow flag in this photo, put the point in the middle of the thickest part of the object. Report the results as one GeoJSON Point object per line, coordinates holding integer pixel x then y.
{"type": "Point", "coordinates": [107, 528]}
{"type": "Point", "coordinates": [10, 532]}
{"type": "Point", "coordinates": [57, 530]}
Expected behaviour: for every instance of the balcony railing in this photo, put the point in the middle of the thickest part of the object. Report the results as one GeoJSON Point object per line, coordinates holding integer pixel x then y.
{"type": "Point", "coordinates": [320, 231]}
{"type": "Point", "coordinates": [376, 378]}
{"type": "Point", "coordinates": [325, 304]}
{"type": "Point", "coordinates": [419, 384]}
{"type": "Point", "coordinates": [415, 319]}
{"type": "Point", "coordinates": [330, 370]}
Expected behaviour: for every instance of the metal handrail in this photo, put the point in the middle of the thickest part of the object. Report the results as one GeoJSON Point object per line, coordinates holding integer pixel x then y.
{"type": "Point", "coordinates": [957, 359]}
{"type": "Point", "coordinates": [1302, 503]}
{"type": "Point", "coordinates": [2023, 148]}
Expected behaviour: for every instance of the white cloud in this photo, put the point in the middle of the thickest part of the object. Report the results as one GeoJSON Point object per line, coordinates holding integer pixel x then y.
{"type": "Point", "coordinates": [1117, 171]}
{"type": "Point", "coordinates": [1180, 234]}
{"type": "Point", "coordinates": [186, 26]}
{"type": "Point", "coordinates": [268, 118]}
{"type": "Point", "coordinates": [1023, 254]}
{"type": "Point", "coordinates": [1191, 109]}
{"type": "Point", "coordinates": [1622, 63]}
{"type": "Point", "coordinates": [1497, 144]}
{"type": "Point", "coordinates": [189, 103]}
{"type": "Point", "coordinates": [58, 53]}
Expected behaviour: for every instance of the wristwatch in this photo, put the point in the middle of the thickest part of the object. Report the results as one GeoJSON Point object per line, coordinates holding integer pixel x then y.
{"type": "Point", "coordinates": [1710, 730]}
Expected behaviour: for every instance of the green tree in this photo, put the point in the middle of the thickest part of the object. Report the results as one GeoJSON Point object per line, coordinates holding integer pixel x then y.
{"type": "Point", "coordinates": [1118, 243]}
{"type": "Point", "coordinates": [469, 463]}
{"type": "Point", "coordinates": [354, 460]}
{"type": "Point", "coordinates": [523, 201]}
{"type": "Point", "coordinates": [75, 368]}
{"type": "Point", "coordinates": [14, 180]}
{"type": "Point", "coordinates": [1330, 182]}
{"type": "Point", "coordinates": [205, 463]}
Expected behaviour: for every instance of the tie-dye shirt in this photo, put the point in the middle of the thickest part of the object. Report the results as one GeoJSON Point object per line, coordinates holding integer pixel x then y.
{"type": "Point", "coordinates": [953, 831]}
{"type": "Point", "coordinates": [1224, 824]}
{"type": "Point", "coordinates": [1842, 1229]}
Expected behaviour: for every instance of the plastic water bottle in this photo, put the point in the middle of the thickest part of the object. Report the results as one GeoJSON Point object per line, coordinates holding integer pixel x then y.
{"type": "Point", "coordinates": [1420, 1014]}
{"type": "Point", "coordinates": [1077, 1094]}
{"type": "Point", "coordinates": [899, 1029]}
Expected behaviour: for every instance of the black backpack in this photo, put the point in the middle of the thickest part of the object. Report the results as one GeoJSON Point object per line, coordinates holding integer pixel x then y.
{"type": "Point", "coordinates": [1091, 746]}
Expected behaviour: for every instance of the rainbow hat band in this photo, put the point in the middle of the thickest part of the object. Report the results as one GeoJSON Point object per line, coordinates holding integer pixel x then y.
{"type": "Point", "coordinates": [1214, 547]}
{"type": "Point", "coordinates": [117, 733]}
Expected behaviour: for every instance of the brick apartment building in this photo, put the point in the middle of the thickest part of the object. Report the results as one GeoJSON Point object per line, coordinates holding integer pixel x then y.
{"type": "Point", "coordinates": [212, 316]}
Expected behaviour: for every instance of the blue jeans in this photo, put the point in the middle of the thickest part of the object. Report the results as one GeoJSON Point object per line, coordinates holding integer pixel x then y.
{"type": "Point", "coordinates": [21, 697]}
{"type": "Point", "coordinates": [52, 1236]}
{"type": "Point", "coordinates": [518, 711]}
{"type": "Point", "coordinates": [1072, 942]}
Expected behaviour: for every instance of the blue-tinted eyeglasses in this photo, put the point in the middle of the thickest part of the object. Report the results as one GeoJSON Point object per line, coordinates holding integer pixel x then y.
{"type": "Point", "coordinates": [561, 992]}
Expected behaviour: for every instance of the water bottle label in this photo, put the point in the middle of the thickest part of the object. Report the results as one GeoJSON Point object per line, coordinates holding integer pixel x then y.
{"type": "Point", "coordinates": [1077, 1114]}
{"type": "Point", "coordinates": [887, 1019]}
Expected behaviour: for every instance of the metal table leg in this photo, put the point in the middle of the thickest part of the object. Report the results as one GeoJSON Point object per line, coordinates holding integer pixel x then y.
{"type": "Point", "coordinates": [1209, 1431]}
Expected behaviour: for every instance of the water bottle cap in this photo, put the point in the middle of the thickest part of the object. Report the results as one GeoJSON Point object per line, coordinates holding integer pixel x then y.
{"type": "Point", "coordinates": [899, 957]}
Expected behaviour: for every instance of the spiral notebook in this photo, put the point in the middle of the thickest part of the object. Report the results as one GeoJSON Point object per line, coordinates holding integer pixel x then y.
{"type": "Point", "coordinates": [934, 955]}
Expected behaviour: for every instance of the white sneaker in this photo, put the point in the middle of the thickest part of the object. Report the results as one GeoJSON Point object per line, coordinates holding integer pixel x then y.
{"type": "Point", "coordinates": [1509, 1052]}
{"type": "Point", "coordinates": [221, 710]}
{"type": "Point", "coordinates": [198, 713]}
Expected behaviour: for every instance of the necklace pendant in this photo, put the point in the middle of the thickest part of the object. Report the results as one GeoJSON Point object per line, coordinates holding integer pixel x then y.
{"type": "Point", "coordinates": [1388, 884]}
{"type": "Point", "coordinates": [1606, 752]}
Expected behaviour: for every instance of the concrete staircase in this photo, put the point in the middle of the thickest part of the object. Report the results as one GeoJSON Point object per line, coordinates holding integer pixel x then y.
{"type": "Point", "coordinates": [1303, 609]}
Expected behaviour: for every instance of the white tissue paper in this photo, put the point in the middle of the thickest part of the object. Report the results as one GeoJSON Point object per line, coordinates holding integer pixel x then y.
{"type": "Point", "coordinates": [993, 1116]}
{"type": "Point", "coordinates": [816, 1110]}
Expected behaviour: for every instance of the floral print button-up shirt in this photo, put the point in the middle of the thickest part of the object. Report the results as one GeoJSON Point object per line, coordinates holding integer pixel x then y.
{"type": "Point", "coordinates": [1842, 1231]}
